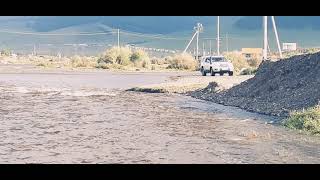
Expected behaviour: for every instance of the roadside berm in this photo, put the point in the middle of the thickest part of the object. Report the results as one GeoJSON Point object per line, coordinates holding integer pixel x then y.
{"type": "Point", "coordinates": [277, 88]}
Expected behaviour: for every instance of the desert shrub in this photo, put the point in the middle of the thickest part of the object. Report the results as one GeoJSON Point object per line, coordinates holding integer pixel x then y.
{"type": "Point", "coordinates": [183, 61]}
{"type": "Point", "coordinates": [140, 58]}
{"type": "Point", "coordinates": [160, 61]}
{"type": "Point", "coordinates": [238, 61]}
{"type": "Point", "coordinates": [78, 61]}
{"type": "Point", "coordinates": [254, 62]}
{"type": "Point", "coordinates": [154, 61]}
{"type": "Point", "coordinates": [5, 52]}
{"type": "Point", "coordinates": [46, 64]}
{"type": "Point", "coordinates": [248, 71]}
{"type": "Point", "coordinates": [167, 60]}
{"type": "Point", "coordinates": [305, 120]}
{"type": "Point", "coordinates": [42, 64]}
{"type": "Point", "coordinates": [116, 55]}
{"type": "Point", "coordinates": [146, 63]}
{"type": "Point", "coordinates": [117, 66]}
{"type": "Point", "coordinates": [139, 55]}
{"type": "Point", "coordinates": [102, 65]}
{"type": "Point", "coordinates": [124, 56]}
{"type": "Point", "coordinates": [110, 56]}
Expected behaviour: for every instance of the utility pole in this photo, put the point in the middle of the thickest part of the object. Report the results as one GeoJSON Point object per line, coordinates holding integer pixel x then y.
{"type": "Point", "coordinates": [197, 46]}
{"type": "Point", "coordinates": [39, 51]}
{"type": "Point", "coordinates": [34, 49]}
{"type": "Point", "coordinates": [210, 47]}
{"type": "Point", "coordinates": [197, 29]}
{"type": "Point", "coordinates": [185, 50]}
{"type": "Point", "coordinates": [119, 39]}
{"type": "Point", "coordinates": [218, 36]}
{"type": "Point", "coordinates": [203, 49]}
{"type": "Point", "coordinates": [277, 37]}
{"type": "Point", "coordinates": [227, 42]}
{"type": "Point", "coordinates": [265, 39]}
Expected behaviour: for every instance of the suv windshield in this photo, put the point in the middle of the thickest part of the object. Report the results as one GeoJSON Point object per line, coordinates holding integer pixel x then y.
{"type": "Point", "coordinates": [219, 59]}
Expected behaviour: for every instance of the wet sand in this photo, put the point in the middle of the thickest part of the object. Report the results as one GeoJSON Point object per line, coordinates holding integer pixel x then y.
{"type": "Point", "coordinates": [77, 117]}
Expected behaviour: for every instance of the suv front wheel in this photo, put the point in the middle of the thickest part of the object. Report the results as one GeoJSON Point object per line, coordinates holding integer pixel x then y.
{"type": "Point", "coordinates": [203, 72]}
{"type": "Point", "coordinates": [231, 73]}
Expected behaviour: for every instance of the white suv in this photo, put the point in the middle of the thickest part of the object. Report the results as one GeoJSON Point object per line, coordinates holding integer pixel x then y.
{"type": "Point", "coordinates": [215, 64]}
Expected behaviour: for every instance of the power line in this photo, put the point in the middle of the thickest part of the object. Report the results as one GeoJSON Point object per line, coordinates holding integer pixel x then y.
{"type": "Point", "coordinates": [56, 34]}
{"type": "Point", "coordinates": [155, 36]}
{"type": "Point", "coordinates": [93, 34]}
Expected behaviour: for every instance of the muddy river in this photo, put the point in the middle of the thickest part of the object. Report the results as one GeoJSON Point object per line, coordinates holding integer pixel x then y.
{"type": "Point", "coordinates": [65, 117]}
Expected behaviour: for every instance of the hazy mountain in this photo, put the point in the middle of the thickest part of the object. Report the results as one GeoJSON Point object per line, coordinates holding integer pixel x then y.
{"type": "Point", "coordinates": [144, 24]}
{"type": "Point", "coordinates": [243, 31]}
{"type": "Point", "coordinates": [284, 22]}
{"type": "Point", "coordinates": [154, 24]}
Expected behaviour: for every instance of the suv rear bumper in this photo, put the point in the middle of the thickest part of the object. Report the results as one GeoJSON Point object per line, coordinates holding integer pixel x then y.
{"type": "Point", "coordinates": [217, 70]}
{"type": "Point", "coordinates": [222, 71]}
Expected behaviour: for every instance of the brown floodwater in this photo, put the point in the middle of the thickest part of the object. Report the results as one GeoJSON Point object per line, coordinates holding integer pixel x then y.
{"type": "Point", "coordinates": [75, 118]}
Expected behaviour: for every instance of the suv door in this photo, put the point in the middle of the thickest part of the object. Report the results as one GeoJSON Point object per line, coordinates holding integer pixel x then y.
{"type": "Point", "coordinates": [207, 63]}
{"type": "Point", "coordinates": [214, 64]}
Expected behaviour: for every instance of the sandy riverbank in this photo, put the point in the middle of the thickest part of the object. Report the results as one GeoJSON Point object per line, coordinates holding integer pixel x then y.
{"type": "Point", "coordinates": [188, 83]}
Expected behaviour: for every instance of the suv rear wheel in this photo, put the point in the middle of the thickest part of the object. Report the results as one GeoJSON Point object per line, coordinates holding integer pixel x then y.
{"type": "Point", "coordinates": [203, 72]}
{"type": "Point", "coordinates": [231, 73]}
{"type": "Point", "coordinates": [212, 72]}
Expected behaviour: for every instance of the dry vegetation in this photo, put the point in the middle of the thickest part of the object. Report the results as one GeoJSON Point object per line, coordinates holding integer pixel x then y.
{"type": "Point", "coordinates": [306, 120]}
{"type": "Point", "coordinates": [72, 62]}
{"type": "Point", "coordinates": [5, 52]}
{"type": "Point", "coordinates": [241, 65]}
{"type": "Point", "coordinates": [124, 58]}
{"type": "Point", "coordinates": [300, 52]}
{"type": "Point", "coordinates": [183, 61]}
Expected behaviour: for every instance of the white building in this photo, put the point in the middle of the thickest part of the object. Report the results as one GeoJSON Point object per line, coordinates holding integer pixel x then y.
{"type": "Point", "coordinates": [289, 46]}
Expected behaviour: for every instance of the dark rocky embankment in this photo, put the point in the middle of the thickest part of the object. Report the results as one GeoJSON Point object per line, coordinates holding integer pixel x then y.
{"type": "Point", "coordinates": [277, 88]}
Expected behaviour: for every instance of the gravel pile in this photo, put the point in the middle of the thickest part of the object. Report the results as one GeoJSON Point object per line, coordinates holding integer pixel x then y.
{"type": "Point", "coordinates": [277, 88]}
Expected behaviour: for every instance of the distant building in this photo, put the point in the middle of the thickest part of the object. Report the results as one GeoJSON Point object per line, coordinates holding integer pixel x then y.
{"type": "Point", "coordinates": [250, 53]}
{"type": "Point", "coordinates": [289, 46]}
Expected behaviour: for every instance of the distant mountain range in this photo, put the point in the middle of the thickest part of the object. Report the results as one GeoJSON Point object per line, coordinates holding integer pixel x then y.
{"type": "Point", "coordinates": [243, 31]}
{"type": "Point", "coordinates": [143, 24]}
{"type": "Point", "coordinates": [153, 24]}
{"type": "Point", "coordinates": [284, 22]}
